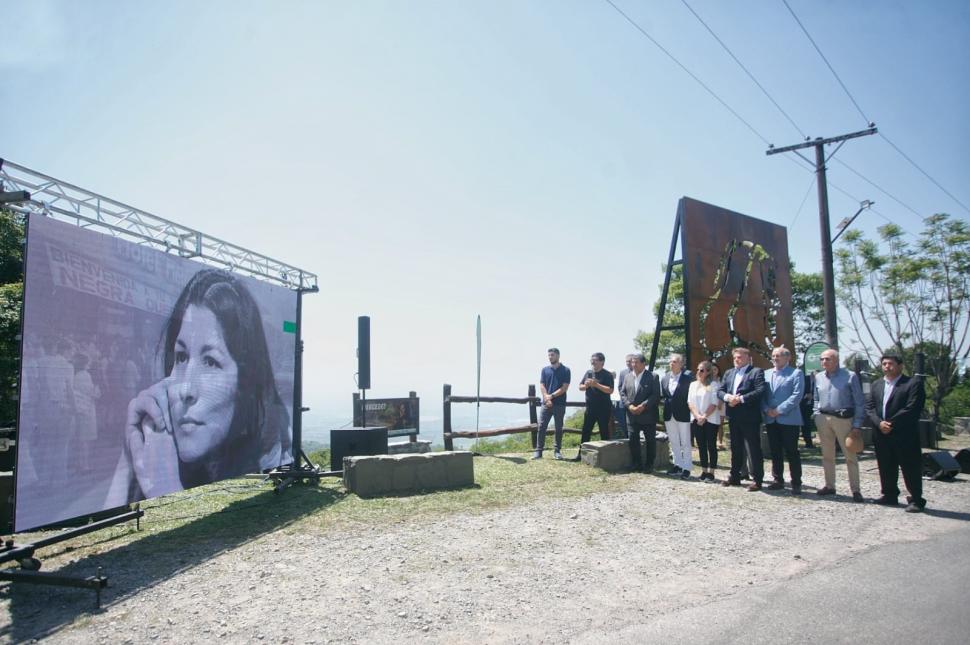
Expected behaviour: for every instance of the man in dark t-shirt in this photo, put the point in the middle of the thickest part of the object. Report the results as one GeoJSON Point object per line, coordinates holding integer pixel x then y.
{"type": "Point", "coordinates": [598, 385]}
{"type": "Point", "coordinates": [553, 383]}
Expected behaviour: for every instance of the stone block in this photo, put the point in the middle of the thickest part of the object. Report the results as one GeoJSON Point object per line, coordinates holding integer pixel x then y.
{"type": "Point", "coordinates": [614, 456]}
{"type": "Point", "coordinates": [611, 456]}
{"type": "Point", "coordinates": [389, 474]}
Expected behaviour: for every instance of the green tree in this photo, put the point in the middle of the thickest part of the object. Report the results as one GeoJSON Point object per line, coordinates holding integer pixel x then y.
{"type": "Point", "coordinates": [11, 295]}
{"type": "Point", "coordinates": [911, 297]}
{"type": "Point", "coordinates": [808, 309]}
{"type": "Point", "coordinates": [671, 341]}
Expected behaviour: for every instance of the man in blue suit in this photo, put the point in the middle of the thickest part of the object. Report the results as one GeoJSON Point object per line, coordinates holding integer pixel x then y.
{"type": "Point", "coordinates": [780, 408]}
{"type": "Point", "coordinates": [742, 389]}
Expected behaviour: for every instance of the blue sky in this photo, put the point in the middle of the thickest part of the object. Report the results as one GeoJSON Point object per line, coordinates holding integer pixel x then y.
{"type": "Point", "coordinates": [431, 161]}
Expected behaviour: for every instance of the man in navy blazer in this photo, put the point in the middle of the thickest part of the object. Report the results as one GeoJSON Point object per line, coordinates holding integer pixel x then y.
{"type": "Point", "coordinates": [894, 406]}
{"type": "Point", "coordinates": [640, 396]}
{"type": "Point", "coordinates": [741, 389]}
{"type": "Point", "coordinates": [780, 407]}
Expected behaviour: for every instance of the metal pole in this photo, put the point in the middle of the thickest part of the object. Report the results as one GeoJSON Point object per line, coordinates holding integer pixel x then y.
{"type": "Point", "coordinates": [298, 383]}
{"type": "Point", "coordinates": [828, 272]}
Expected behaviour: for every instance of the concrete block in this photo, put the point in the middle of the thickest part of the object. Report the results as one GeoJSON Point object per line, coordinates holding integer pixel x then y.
{"type": "Point", "coordinates": [614, 456]}
{"type": "Point", "coordinates": [383, 474]}
{"type": "Point", "coordinates": [611, 456]}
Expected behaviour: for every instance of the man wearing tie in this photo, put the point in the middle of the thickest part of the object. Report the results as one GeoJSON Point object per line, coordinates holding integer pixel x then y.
{"type": "Point", "coordinates": [894, 406]}
{"type": "Point", "coordinates": [780, 408]}
{"type": "Point", "coordinates": [742, 389]}
{"type": "Point", "coordinates": [640, 396]}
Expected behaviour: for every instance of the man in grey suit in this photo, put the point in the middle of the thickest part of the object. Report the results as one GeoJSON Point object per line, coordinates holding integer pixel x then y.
{"type": "Point", "coordinates": [640, 396]}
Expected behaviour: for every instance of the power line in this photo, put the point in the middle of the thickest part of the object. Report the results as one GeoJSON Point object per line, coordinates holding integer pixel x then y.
{"type": "Point", "coordinates": [746, 71]}
{"type": "Point", "coordinates": [689, 73]}
{"type": "Point", "coordinates": [880, 188]}
{"type": "Point", "coordinates": [926, 174]}
{"type": "Point", "coordinates": [808, 192]}
{"type": "Point", "coordinates": [831, 69]}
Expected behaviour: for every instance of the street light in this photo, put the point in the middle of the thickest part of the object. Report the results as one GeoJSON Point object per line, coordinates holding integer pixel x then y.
{"type": "Point", "coordinates": [844, 224]}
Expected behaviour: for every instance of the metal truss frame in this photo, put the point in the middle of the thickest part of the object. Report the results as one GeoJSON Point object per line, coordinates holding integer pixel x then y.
{"type": "Point", "coordinates": [66, 202]}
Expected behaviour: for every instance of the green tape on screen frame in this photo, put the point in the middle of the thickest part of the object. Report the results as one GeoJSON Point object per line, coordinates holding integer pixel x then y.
{"type": "Point", "coordinates": [289, 327]}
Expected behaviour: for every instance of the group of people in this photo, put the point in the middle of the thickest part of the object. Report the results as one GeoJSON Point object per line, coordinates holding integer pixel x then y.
{"type": "Point", "coordinates": [695, 403]}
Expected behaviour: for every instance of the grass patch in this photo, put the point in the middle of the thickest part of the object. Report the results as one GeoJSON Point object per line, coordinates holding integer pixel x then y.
{"type": "Point", "coordinates": [220, 516]}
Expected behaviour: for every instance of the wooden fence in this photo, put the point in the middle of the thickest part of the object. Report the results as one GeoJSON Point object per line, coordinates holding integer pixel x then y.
{"type": "Point", "coordinates": [530, 400]}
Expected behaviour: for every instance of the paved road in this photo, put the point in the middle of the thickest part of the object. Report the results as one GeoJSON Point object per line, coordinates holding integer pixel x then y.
{"type": "Point", "coordinates": [901, 593]}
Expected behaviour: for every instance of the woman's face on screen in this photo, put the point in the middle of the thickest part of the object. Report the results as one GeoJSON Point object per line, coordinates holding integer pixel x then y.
{"type": "Point", "coordinates": [202, 385]}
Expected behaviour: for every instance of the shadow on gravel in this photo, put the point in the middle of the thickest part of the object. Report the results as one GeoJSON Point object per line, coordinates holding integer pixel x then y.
{"type": "Point", "coordinates": [949, 515]}
{"type": "Point", "coordinates": [36, 611]}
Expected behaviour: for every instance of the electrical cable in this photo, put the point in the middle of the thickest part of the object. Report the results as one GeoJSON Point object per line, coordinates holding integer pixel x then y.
{"type": "Point", "coordinates": [689, 73]}
{"type": "Point", "coordinates": [808, 192]}
{"type": "Point", "coordinates": [746, 71]}
{"type": "Point", "coordinates": [880, 188]}
{"type": "Point", "coordinates": [926, 174]}
{"type": "Point", "coordinates": [831, 69]}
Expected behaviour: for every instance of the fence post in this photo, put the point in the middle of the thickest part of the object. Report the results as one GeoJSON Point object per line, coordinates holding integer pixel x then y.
{"type": "Point", "coordinates": [356, 422]}
{"type": "Point", "coordinates": [533, 417]}
{"type": "Point", "coordinates": [446, 417]}
{"type": "Point", "coordinates": [417, 417]}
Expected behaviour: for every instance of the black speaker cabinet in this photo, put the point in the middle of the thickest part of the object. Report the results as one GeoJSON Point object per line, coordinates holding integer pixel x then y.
{"type": "Point", "coordinates": [940, 465]}
{"type": "Point", "coordinates": [356, 442]}
{"type": "Point", "coordinates": [963, 458]}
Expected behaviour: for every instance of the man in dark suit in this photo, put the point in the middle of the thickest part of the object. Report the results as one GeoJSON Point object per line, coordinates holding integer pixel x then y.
{"type": "Point", "coordinates": [673, 388]}
{"type": "Point", "coordinates": [894, 406]}
{"type": "Point", "coordinates": [640, 396]}
{"type": "Point", "coordinates": [742, 389]}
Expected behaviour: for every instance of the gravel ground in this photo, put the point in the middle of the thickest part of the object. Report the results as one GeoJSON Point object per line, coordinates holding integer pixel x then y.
{"type": "Point", "coordinates": [563, 570]}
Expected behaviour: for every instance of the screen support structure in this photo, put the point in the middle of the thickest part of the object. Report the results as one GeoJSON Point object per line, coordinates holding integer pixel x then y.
{"type": "Point", "coordinates": [665, 293]}
{"type": "Point", "coordinates": [31, 193]}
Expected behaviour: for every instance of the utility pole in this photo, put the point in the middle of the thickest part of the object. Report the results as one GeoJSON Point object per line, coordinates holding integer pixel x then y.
{"type": "Point", "coordinates": [828, 272]}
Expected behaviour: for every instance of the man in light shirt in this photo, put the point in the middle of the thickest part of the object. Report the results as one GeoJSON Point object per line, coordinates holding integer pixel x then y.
{"type": "Point", "coordinates": [838, 409]}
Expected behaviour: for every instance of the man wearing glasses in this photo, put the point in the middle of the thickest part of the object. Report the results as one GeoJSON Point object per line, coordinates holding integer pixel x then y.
{"type": "Point", "coordinates": [553, 383]}
{"type": "Point", "coordinates": [839, 408]}
{"type": "Point", "coordinates": [598, 385]}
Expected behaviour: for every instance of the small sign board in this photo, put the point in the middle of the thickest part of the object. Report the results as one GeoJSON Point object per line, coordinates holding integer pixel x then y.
{"type": "Point", "coordinates": [813, 356]}
{"type": "Point", "coordinates": [393, 414]}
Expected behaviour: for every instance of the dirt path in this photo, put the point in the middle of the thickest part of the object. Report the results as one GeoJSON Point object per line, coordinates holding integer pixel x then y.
{"type": "Point", "coordinates": [559, 571]}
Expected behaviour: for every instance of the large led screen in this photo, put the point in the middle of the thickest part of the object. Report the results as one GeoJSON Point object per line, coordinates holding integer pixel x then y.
{"type": "Point", "coordinates": [143, 373]}
{"type": "Point", "coordinates": [737, 282]}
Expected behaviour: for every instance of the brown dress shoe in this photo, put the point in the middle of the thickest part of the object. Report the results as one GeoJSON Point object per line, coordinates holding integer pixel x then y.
{"type": "Point", "coordinates": [754, 487]}
{"type": "Point", "coordinates": [730, 482]}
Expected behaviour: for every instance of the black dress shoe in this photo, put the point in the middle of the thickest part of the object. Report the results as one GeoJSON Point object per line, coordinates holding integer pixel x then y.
{"type": "Point", "coordinates": [730, 482]}
{"type": "Point", "coordinates": [796, 490]}
{"type": "Point", "coordinates": [825, 490]}
{"type": "Point", "coordinates": [857, 497]}
{"type": "Point", "coordinates": [886, 501]}
{"type": "Point", "coordinates": [673, 470]}
{"type": "Point", "coordinates": [914, 508]}
{"type": "Point", "coordinates": [775, 486]}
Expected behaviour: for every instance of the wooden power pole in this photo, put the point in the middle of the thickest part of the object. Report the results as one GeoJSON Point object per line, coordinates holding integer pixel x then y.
{"type": "Point", "coordinates": [828, 271]}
